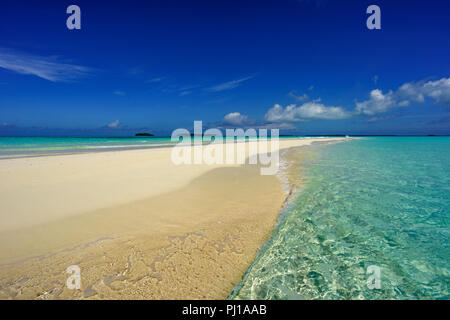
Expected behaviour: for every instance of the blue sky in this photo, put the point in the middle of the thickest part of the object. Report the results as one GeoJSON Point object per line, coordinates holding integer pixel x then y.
{"type": "Point", "coordinates": [306, 67]}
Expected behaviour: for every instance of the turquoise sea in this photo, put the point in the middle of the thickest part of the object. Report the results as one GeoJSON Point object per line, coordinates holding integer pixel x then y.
{"type": "Point", "coordinates": [16, 146]}
{"type": "Point", "coordinates": [378, 201]}
{"type": "Point", "coordinates": [38, 145]}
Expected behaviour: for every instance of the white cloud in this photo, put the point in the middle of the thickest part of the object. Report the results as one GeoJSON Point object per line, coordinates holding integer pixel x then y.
{"type": "Point", "coordinates": [309, 110]}
{"type": "Point", "coordinates": [377, 103]}
{"type": "Point", "coordinates": [411, 91]}
{"type": "Point", "coordinates": [406, 94]}
{"type": "Point", "coordinates": [47, 68]}
{"type": "Point", "coordinates": [438, 90]}
{"type": "Point", "coordinates": [236, 119]}
{"type": "Point", "coordinates": [228, 85]}
{"type": "Point", "coordinates": [119, 93]}
{"type": "Point", "coordinates": [114, 125]}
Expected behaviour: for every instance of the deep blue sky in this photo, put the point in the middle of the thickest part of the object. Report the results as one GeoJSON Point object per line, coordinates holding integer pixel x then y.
{"type": "Point", "coordinates": [161, 64]}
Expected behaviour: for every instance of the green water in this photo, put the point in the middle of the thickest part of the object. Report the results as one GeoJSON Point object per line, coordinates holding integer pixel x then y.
{"type": "Point", "coordinates": [382, 201]}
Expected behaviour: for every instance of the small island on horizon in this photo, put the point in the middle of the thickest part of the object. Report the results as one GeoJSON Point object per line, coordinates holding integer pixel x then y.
{"type": "Point", "coordinates": [143, 134]}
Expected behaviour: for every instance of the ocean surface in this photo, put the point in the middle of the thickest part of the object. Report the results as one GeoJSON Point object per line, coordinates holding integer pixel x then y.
{"type": "Point", "coordinates": [377, 203]}
{"type": "Point", "coordinates": [49, 145]}
{"type": "Point", "coordinates": [17, 146]}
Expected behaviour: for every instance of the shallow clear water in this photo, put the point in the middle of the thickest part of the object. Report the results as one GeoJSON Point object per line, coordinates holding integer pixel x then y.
{"type": "Point", "coordinates": [30, 145]}
{"type": "Point", "coordinates": [45, 145]}
{"type": "Point", "coordinates": [382, 201]}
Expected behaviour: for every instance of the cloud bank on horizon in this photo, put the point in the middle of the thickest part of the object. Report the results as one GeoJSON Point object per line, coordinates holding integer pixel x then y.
{"type": "Point", "coordinates": [406, 95]}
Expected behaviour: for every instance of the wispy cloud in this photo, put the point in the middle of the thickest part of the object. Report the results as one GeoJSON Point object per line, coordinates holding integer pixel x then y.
{"type": "Point", "coordinates": [159, 79]}
{"type": "Point", "coordinates": [114, 125]}
{"type": "Point", "coordinates": [134, 71]}
{"type": "Point", "coordinates": [299, 98]}
{"type": "Point", "coordinates": [377, 119]}
{"type": "Point", "coordinates": [186, 90]}
{"type": "Point", "coordinates": [119, 93]}
{"type": "Point", "coordinates": [185, 93]}
{"type": "Point", "coordinates": [48, 68]}
{"type": "Point", "coordinates": [228, 85]}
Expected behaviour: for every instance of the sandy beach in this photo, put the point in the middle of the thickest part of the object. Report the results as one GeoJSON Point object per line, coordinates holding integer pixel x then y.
{"type": "Point", "coordinates": [137, 225]}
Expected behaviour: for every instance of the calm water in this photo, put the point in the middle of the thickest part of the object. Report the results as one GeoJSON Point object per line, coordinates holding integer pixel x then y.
{"type": "Point", "coordinates": [30, 145]}
{"type": "Point", "coordinates": [379, 201]}
{"type": "Point", "coordinates": [45, 145]}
